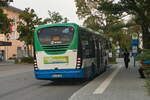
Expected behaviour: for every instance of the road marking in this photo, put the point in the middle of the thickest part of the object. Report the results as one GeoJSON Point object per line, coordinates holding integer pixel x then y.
{"type": "Point", "coordinates": [106, 82]}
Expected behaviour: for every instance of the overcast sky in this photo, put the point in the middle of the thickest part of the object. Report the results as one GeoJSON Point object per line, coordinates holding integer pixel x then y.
{"type": "Point", "coordinates": [66, 8]}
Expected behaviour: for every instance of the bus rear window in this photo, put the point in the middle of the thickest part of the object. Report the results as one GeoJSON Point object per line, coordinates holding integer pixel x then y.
{"type": "Point", "coordinates": [55, 35]}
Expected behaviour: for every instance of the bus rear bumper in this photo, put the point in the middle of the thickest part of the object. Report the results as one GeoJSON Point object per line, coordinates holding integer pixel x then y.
{"type": "Point", "coordinates": [59, 74]}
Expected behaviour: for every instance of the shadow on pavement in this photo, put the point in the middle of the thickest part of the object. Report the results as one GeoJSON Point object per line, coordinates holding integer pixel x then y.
{"type": "Point", "coordinates": [66, 82]}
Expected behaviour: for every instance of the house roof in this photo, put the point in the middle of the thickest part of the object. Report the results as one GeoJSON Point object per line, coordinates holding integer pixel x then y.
{"type": "Point", "coordinates": [13, 9]}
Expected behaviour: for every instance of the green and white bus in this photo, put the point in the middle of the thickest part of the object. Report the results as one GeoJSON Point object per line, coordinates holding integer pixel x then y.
{"type": "Point", "coordinates": [68, 51]}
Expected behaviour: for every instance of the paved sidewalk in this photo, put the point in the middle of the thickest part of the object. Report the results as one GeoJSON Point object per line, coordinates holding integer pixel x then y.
{"type": "Point", "coordinates": [126, 85]}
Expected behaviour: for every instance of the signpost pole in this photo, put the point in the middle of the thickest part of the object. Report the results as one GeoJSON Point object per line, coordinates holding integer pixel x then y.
{"type": "Point", "coordinates": [134, 61]}
{"type": "Point", "coordinates": [134, 43]}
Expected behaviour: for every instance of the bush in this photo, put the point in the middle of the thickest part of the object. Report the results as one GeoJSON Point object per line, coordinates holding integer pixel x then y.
{"type": "Point", "coordinates": [147, 85]}
{"type": "Point", "coordinates": [17, 61]}
{"type": "Point", "coordinates": [147, 72]}
{"type": "Point", "coordinates": [27, 60]}
{"type": "Point", "coordinates": [112, 60]}
{"type": "Point", "coordinates": [143, 56]}
{"type": "Point", "coordinates": [10, 58]}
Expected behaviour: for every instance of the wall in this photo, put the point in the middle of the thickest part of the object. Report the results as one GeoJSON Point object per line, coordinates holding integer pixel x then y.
{"type": "Point", "coordinates": [13, 36]}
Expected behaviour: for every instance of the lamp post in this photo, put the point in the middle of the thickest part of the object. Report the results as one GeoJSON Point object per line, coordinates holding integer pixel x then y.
{"type": "Point", "coordinates": [111, 39]}
{"type": "Point", "coordinates": [110, 52]}
{"type": "Point", "coordinates": [7, 39]}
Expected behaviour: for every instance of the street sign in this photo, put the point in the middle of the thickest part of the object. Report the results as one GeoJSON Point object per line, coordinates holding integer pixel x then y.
{"type": "Point", "coordinates": [2, 43]}
{"type": "Point", "coordinates": [134, 36]}
{"type": "Point", "coordinates": [134, 49]}
{"type": "Point", "coordinates": [135, 42]}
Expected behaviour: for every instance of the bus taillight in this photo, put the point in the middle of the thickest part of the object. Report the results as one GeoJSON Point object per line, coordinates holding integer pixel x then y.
{"type": "Point", "coordinates": [78, 66]}
{"type": "Point", "coordinates": [35, 65]}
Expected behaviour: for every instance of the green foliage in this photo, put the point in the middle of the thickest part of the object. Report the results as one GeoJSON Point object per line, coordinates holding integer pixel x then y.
{"type": "Point", "coordinates": [87, 10]}
{"type": "Point", "coordinates": [27, 60]}
{"type": "Point", "coordinates": [147, 85]}
{"type": "Point", "coordinates": [83, 10]}
{"type": "Point", "coordinates": [138, 8]}
{"type": "Point", "coordinates": [143, 56]}
{"type": "Point", "coordinates": [55, 17]}
{"type": "Point", "coordinates": [147, 72]}
{"type": "Point", "coordinates": [27, 25]}
{"type": "Point", "coordinates": [128, 6]}
{"type": "Point", "coordinates": [3, 3]}
{"type": "Point", "coordinates": [91, 22]}
{"type": "Point", "coordinates": [110, 24]}
{"type": "Point", "coordinates": [110, 7]}
{"type": "Point", "coordinates": [4, 22]}
{"type": "Point", "coordinates": [112, 60]}
{"type": "Point", "coordinates": [113, 48]}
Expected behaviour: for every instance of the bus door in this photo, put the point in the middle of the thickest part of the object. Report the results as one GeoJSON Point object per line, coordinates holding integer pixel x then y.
{"type": "Point", "coordinates": [101, 57]}
{"type": "Point", "coordinates": [98, 56]}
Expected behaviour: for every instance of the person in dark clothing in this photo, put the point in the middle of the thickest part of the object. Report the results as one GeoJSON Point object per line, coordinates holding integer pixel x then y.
{"type": "Point", "coordinates": [126, 58]}
{"type": "Point", "coordinates": [141, 72]}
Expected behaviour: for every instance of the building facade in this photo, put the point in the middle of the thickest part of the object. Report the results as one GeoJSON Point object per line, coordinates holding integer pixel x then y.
{"type": "Point", "coordinates": [15, 50]}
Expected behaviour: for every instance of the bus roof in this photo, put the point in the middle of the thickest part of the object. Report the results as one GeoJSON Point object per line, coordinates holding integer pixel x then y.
{"type": "Point", "coordinates": [56, 24]}
{"type": "Point", "coordinates": [71, 24]}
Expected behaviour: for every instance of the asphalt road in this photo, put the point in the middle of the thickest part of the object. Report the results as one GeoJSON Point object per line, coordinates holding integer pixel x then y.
{"type": "Point", "coordinates": [17, 82]}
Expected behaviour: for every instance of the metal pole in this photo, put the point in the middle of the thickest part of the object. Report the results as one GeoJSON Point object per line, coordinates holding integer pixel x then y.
{"type": "Point", "coordinates": [134, 61]}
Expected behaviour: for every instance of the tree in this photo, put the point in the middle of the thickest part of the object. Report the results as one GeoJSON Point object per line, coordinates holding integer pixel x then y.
{"type": "Point", "coordinates": [87, 10]}
{"type": "Point", "coordinates": [4, 23]}
{"type": "Point", "coordinates": [96, 20]}
{"type": "Point", "coordinates": [110, 24]}
{"type": "Point", "coordinates": [5, 2]}
{"type": "Point", "coordinates": [55, 17]}
{"type": "Point", "coordinates": [138, 8]}
{"type": "Point", "coordinates": [27, 25]}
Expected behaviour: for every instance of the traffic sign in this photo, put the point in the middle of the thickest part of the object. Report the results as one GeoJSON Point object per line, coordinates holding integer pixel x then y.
{"type": "Point", "coordinates": [134, 49]}
{"type": "Point", "coordinates": [135, 42]}
{"type": "Point", "coordinates": [134, 36]}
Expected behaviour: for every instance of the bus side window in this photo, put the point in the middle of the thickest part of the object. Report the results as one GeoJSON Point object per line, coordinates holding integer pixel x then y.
{"type": "Point", "coordinates": [82, 41]}
{"type": "Point", "coordinates": [80, 48]}
{"type": "Point", "coordinates": [92, 47]}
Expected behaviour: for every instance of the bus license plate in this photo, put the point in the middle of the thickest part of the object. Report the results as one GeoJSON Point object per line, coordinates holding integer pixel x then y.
{"type": "Point", "coordinates": [57, 75]}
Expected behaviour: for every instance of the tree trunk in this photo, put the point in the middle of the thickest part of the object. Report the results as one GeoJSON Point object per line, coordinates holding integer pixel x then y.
{"type": "Point", "coordinates": [146, 36]}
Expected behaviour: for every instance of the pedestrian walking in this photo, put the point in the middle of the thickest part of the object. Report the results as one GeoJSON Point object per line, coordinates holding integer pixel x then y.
{"type": "Point", "coordinates": [126, 58]}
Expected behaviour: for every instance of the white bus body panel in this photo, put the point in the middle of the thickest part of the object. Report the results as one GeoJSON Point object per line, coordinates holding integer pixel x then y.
{"type": "Point", "coordinates": [71, 54]}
